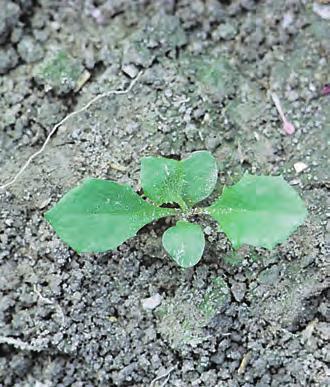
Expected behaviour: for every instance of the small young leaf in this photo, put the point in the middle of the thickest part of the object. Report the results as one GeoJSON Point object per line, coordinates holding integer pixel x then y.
{"type": "Point", "coordinates": [184, 182]}
{"type": "Point", "coordinates": [258, 210]}
{"type": "Point", "coordinates": [200, 176]}
{"type": "Point", "coordinates": [162, 179]}
{"type": "Point", "coordinates": [185, 243]}
{"type": "Point", "coordinates": [99, 215]}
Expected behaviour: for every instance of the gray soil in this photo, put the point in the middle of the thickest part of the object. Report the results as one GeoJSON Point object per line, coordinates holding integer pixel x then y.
{"type": "Point", "coordinates": [239, 318]}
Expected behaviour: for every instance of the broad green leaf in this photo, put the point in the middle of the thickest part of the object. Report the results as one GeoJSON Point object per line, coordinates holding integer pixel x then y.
{"type": "Point", "coordinates": [184, 182]}
{"type": "Point", "coordinates": [258, 210]}
{"type": "Point", "coordinates": [99, 215]}
{"type": "Point", "coordinates": [185, 243]}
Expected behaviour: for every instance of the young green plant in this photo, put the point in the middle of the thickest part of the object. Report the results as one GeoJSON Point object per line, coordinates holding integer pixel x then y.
{"type": "Point", "coordinates": [100, 215]}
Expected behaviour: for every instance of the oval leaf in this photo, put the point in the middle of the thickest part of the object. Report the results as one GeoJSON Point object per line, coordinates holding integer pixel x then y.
{"type": "Point", "coordinates": [200, 176]}
{"type": "Point", "coordinates": [184, 243]}
{"type": "Point", "coordinates": [184, 182]}
{"type": "Point", "coordinates": [162, 179]}
{"type": "Point", "coordinates": [259, 210]}
{"type": "Point", "coordinates": [100, 215]}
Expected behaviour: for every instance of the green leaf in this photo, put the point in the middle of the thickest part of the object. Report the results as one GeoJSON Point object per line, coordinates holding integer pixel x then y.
{"type": "Point", "coordinates": [100, 215]}
{"type": "Point", "coordinates": [183, 182]}
{"type": "Point", "coordinates": [185, 243]}
{"type": "Point", "coordinates": [200, 176]}
{"type": "Point", "coordinates": [258, 210]}
{"type": "Point", "coordinates": [162, 179]}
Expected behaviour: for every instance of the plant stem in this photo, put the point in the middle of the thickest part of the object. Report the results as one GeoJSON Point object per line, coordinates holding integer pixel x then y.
{"type": "Point", "coordinates": [183, 205]}
{"type": "Point", "coordinates": [196, 211]}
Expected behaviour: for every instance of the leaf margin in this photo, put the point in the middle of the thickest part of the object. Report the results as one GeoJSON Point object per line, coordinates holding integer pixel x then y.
{"type": "Point", "coordinates": [48, 215]}
{"type": "Point", "coordinates": [280, 239]}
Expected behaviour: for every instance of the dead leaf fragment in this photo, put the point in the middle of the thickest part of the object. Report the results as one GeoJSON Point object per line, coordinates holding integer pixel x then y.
{"type": "Point", "coordinates": [244, 363]}
{"type": "Point", "coordinates": [82, 80]}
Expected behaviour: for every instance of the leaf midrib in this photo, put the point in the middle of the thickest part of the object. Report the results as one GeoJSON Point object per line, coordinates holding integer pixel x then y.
{"type": "Point", "coordinates": [264, 211]}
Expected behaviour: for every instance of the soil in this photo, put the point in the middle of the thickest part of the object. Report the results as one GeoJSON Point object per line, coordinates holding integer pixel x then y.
{"type": "Point", "coordinates": [239, 318]}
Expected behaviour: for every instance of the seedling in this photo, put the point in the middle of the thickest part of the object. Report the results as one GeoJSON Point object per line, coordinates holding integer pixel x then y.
{"type": "Point", "coordinates": [100, 215]}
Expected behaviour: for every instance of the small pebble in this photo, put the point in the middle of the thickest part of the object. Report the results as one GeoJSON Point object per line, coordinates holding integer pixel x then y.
{"type": "Point", "coordinates": [322, 10]}
{"type": "Point", "coordinates": [300, 166]}
{"type": "Point", "coordinates": [152, 302]}
{"type": "Point", "coordinates": [130, 70]}
{"type": "Point", "coordinates": [30, 50]}
{"type": "Point", "coordinates": [238, 289]}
